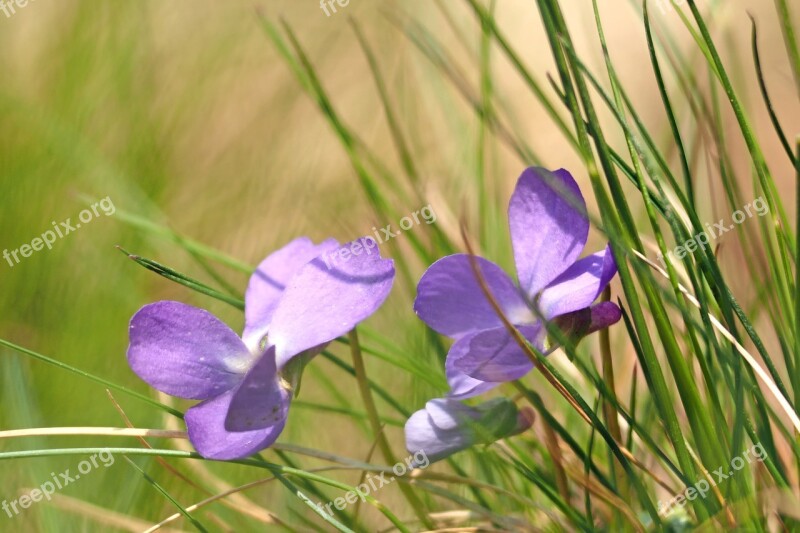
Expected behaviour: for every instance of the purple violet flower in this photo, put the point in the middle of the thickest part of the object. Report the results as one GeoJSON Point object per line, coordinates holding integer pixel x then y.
{"type": "Point", "coordinates": [294, 306]}
{"type": "Point", "coordinates": [549, 228]}
{"type": "Point", "coordinates": [448, 426]}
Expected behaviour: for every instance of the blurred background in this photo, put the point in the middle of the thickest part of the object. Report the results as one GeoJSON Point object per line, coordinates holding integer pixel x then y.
{"type": "Point", "coordinates": [183, 114]}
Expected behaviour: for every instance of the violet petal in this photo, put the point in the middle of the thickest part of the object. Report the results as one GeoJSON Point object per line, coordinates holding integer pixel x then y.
{"type": "Point", "coordinates": [259, 401]}
{"type": "Point", "coordinates": [604, 314]}
{"type": "Point", "coordinates": [547, 232]}
{"type": "Point", "coordinates": [206, 426]}
{"type": "Point", "coordinates": [185, 351]}
{"type": "Point", "coordinates": [269, 281]}
{"type": "Point", "coordinates": [463, 386]}
{"type": "Point", "coordinates": [494, 355]}
{"type": "Point", "coordinates": [450, 299]}
{"type": "Point", "coordinates": [579, 286]}
{"type": "Point", "coordinates": [447, 426]}
{"type": "Point", "coordinates": [327, 298]}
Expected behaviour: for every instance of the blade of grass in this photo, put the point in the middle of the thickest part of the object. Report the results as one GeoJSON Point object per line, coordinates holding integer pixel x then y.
{"type": "Point", "coordinates": [762, 84]}
{"type": "Point", "coordinates": [92, 377]}
{"type": "Point", "coordinates": [790, 38]}
{"type": "Point", "coordinates": [182, 279]}
{"type": "Point", "coordinates": [378, 433]}
{"type": "Point", "coordinates": [167, 495]}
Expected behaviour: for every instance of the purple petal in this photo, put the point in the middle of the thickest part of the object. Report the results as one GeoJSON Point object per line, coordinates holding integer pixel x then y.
{"type": "Point", "coordinates": [604, 314]}
{"type": "Point", "coordinates": [447, 414]}
{"type": "Point", "coordinates": [580, 285]}
{"type": "Point", "coordinates": [260, 401]}
{"type": "Point", "coordinates": [450, 299]}
{"type": "Point", "coordinates": [422, 433]}
{"type": "Point", "coordinates": [462, 386]}
{"type": "Point", "coordinates": [493, 355]}
{"type": "Point", "coordinates": [269, 281]}
{"type": "Point", "coordinates": [327, 298]}
{"type": "Point", "coordinates": [206, 425]}
{"type": "Point", "coordinates": [578, 324]}
{"type": "Point", "coordinates": [185, 351]}
{"type": "Point", "coordinates": [447, 426]}
{"type": "Point", "coordinates": [547, 232]}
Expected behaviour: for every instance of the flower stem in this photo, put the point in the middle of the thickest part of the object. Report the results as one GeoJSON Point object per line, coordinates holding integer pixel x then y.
{"type": "Point", "coordinates": [374, 420]}
{"type": "Point", "coordinates": [94, 431]}
{"type": "Point", "coordinates": [797, 277]}
{"type": "Point", "coordinates": [612, 422]}
{"type": "Point", "coordinates": [551, 441]}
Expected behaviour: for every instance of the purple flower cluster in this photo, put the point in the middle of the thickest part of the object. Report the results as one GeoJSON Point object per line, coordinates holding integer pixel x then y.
{"type": "Point", "coordinates": [549, 228]}
{"type": "Point", "coordinates": [295, 305]}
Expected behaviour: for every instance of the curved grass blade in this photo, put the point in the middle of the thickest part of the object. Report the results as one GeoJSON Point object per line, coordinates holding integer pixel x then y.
{"type": "Point", "coordinates": [179, 454]}
{"type": "Point", "coordinates": [790, 38]}
{"type": "Point", "coordinates": [183, 279]}
{"type": "Point", "coordinates": [167, 495]}
{"type": "Point", "coordinates": [92, 377]}
{"type": "Point", "coordinates": [762, 84]}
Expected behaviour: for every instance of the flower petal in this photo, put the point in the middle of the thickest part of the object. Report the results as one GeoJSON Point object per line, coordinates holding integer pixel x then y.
{"type": "Point", "coordinates": [583, 322]}
{"type": "Point", "coordinates": [604, 314]}
{"type": "Point", "coordinates": [548, 232]}
{"type": "Point", "coordinates": [422, 435]}
{"type": "Point", "coordinates": [462, 386]}
{"type": "Point", "coordinates": [494, 355]}
{"type": "Point", "coordinates": [328, 298]}
{"type": "Point", "coordinates": [269, 281]}
{"type": "Point", "coordinates": [450, 299]}
{"type": "Point", "coordinates": [579, 285]}
{"type": "Point", "coordinates": [185, 351]}
{"type": "Point", "coordinates": [447, 426]}
{"type": "Point", "coordinates": [259, 401]}
{"type": "Point", "coordinates": [206, 425]}
{"type": "Point", "coordinates": [446, 414]}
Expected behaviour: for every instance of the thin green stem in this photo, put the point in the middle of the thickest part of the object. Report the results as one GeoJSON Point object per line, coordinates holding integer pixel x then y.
{"type": "Point", "coordinates": [374, 420]}
{"type": "Point", "coordinates": [609, 405]}
{"type": "Point", "coordinates": [87, 375]}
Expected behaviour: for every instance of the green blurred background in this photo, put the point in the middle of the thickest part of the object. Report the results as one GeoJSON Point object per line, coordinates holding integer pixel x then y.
{"type": "Point", "coordinates": [182, 113]}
